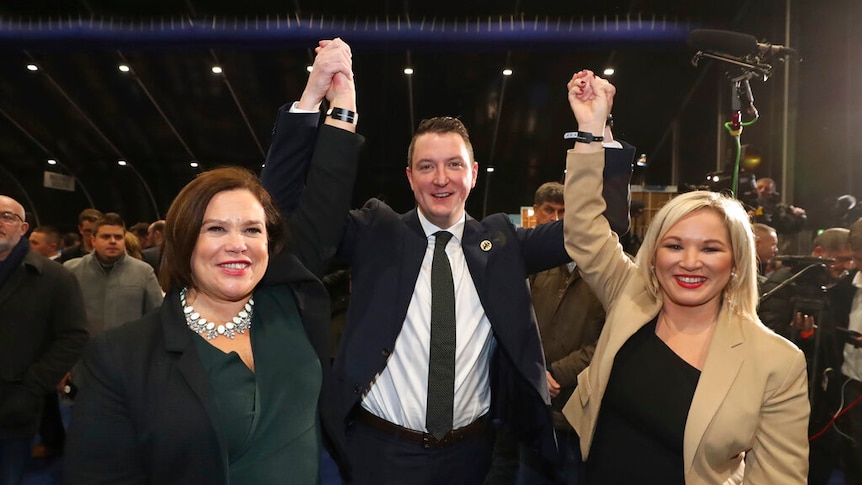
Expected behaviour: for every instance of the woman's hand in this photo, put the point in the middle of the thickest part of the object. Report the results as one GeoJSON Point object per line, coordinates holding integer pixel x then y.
{"type": "Point", "coordinates": [591, 99]}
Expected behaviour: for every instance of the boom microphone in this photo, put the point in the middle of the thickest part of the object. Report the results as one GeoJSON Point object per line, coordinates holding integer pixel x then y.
{"type": "Point", "coordinates": [734, 44]}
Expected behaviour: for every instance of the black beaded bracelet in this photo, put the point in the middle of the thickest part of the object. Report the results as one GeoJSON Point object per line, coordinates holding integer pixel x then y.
{"type": "Point", "coordinates": [344, 115]}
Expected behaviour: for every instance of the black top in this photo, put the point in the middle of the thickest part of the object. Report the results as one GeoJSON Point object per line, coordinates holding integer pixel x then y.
{"type": "Point", "coordinates": [641, 425]}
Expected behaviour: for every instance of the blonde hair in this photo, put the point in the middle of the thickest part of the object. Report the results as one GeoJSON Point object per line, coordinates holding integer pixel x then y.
{"type": "Point", "coordinates": [741, 290]}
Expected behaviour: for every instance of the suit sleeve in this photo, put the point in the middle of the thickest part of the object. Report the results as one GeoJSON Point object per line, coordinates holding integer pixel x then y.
{"type": "Point", "coordinates": [317, 225]}
{"type": "Point", "coordinates": [101, 440]}
{"type": "Point", "coordinates": [310, 172]}
{"type": "Point", "coordinates": [68, 320]}
{"type": "Point", "coordinates": [288, 158]}
{"type": "Point", "coordinates": [616, 178]}
{"type": "Point", "coordinates": [780, 451]}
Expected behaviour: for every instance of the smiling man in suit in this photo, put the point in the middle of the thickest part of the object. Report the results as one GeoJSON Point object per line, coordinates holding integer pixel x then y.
{"type": "Point", "coordinates": [420, 400]}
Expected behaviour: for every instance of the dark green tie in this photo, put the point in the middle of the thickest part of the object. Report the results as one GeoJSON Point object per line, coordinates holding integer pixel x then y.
{"type": "Point", "coordinates": [441, 364]}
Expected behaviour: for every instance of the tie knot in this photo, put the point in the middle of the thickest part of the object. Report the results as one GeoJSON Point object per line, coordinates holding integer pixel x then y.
{"type": "Point", "coordinates": [441, 238]}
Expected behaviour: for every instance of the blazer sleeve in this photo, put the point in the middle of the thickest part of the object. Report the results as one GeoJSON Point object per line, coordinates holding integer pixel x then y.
{"type": "Point", "coordinates": [780, 451]}
{"type": "Point", "coordinates": [101, 439]}
{"type": "Point", "coordinates": [590, 241]}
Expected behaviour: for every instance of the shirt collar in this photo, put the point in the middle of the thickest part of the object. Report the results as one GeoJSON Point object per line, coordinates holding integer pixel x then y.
{"type": "Point", "coordinates": [457, 229]}
{"type": "Point", "coordinates": [857, 280]}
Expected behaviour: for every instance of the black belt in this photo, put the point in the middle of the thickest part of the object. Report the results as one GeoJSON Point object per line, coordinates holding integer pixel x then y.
{"type": "Point", "coordinates": [425, 439]}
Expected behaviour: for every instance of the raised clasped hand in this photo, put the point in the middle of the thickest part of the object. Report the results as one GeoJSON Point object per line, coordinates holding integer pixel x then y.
{"type": "Point", "coordinates": [591, 98]}
{"type": "Point", "coordinates": [331, 76]}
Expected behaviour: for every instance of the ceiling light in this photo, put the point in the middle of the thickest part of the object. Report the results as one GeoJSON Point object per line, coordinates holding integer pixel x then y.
{"type": "Point", "coordinates": [32, 67]}
{"type": "Point", "coordinates": [217, 70]}
{"type": "Point", "coordinates": [309, 68]}
{"type": "Point", "coordinates": [121, 163]}
{"type": "Point", "coordinates": [408, 70]}
{"type": "Point", "coordinates": [193, 164]}
{"type": "Point", "coordinates": [490, 169]}
{"type": "Point", "coordinates": [51, 161]}
{"type": "Point", "coordinates": [507, 72]}
{"type": "Point", "coordinates": [124, 68]}
{"type": "Point", "coordinates": [609, 71]}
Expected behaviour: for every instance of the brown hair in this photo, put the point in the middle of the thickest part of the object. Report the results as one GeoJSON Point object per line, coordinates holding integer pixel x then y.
{"type": "Point", "coordinates": [186, 214]}
{"type": "Point", "coordinates": [89, 215]}
{"type": "Point", "coordinates": [108, 219]}
{"type": "Point", "coordinates": [549, 192]}
{"type": "Point", "coordinates": [440, 125]}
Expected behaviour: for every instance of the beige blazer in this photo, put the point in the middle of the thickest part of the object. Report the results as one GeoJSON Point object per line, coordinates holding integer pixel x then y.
{"type": "Point", "coordinates": [751, 400]}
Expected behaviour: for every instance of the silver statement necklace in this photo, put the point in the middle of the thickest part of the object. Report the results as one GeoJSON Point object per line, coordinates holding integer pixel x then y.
{"type": "Point", "coordinates": [240, 323]}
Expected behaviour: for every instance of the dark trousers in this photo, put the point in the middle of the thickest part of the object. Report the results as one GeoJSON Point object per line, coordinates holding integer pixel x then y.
{"type": "Point", "coordinates": [379, 458]}
{"type": "Point", "coordinates": [852, 425]}
{"type": "Point", "coordinates": [51, 427]}
{"type": "Point", "coordinates": [515, 464]}
{"type": "Point", "coordinates": [14, 456]}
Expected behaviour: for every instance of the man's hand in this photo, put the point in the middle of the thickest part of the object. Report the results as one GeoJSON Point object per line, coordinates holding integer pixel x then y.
{"type": "Point", "coordinates": [61, 386]}
{"type": "Point", "coordinates": [331, 77]}
{"type": "Point", "coordinates": [553, 385]}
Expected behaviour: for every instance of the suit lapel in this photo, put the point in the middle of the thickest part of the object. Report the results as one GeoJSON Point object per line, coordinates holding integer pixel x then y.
{"type": "Point", "coordinates": [477, 258]}
{"type": "Point", "coordinates": [722, 365]}
{"type": "Point", "coordinates": [179, 340]}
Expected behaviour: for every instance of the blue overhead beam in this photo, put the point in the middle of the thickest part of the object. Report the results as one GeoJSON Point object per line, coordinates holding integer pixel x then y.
{"type": "Point", "coordinates": [280, 31]}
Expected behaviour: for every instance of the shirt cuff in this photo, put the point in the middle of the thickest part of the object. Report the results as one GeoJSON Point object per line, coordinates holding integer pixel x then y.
{"type": "Point", "coordinates": [295, 109]}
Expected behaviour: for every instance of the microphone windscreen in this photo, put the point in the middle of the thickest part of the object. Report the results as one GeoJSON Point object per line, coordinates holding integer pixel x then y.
{"type": "Point", "coordinates": [722, 41]}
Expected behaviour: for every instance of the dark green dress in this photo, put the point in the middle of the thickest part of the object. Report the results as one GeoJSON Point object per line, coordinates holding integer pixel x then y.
{"type": "Point", "coordinates": [269, 417]}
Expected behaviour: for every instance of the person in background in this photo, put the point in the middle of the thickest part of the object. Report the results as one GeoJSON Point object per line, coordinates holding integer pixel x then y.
{"type": "Point", "coordinates": [70, 240]}
{"type": "Point", "coordinates": [133, 245]}
{"type": "Point", "coordinates": [140, 229]}
{"type": "Point", "coordinates": [45, 240]}
{"type": "Point", "coordinates": [766, 248]}
{"type": "Point", "coordinates": [86, 219]}
{"type": "Point", "coordinates": [686, 385]}
{"type": "Point", "coordinates": [152, 253]}
{"type": "Point", "coordinates": [117, 288]}
{"type": "Point", "coordinates": [44, 333]}
{"type": "Point", "coordinates": [850, 317]}
{"type": "Point", "coordinates": [788, 220]}
{"type": "Point", "coordinates": [227, 382]}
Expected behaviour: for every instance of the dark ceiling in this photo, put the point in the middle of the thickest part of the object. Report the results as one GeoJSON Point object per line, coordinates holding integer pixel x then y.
{"type": "Point", "coordinates": [170, 109]}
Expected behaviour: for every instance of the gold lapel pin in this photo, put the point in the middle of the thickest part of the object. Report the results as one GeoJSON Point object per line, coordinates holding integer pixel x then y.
{"type": "Point", "coordinates": [485, 245]}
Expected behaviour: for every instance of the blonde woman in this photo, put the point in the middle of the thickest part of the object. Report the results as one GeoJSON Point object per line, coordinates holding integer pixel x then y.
{"type": "Point", "coordinates": [686, 385]}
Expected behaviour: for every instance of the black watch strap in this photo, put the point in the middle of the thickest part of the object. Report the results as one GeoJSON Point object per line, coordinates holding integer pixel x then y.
{"type": "Point", "coordinates": [582, 136]}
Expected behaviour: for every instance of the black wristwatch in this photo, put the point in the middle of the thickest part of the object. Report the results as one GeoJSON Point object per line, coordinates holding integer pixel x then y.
{"type": "Point", "coordinates": [582, 136]}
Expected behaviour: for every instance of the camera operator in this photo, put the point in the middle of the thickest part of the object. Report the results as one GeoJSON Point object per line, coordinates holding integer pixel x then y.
{"type": "Point", "coordinates": [793, 313]}
{"type": "Point", "coordinates": [787, 220]}
{"type": "Point", "coordinates": [778, 311]}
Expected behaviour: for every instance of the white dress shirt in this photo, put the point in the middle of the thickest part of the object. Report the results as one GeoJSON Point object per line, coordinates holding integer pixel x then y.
{"type": "Point", "coordinates": [400, 393]}
{"type": "Point", "coordinates": [852, 366]}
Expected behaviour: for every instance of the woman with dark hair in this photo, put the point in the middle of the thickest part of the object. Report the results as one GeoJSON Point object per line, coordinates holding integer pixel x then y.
{"type": "Point", "coordinates": [226, 382]}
